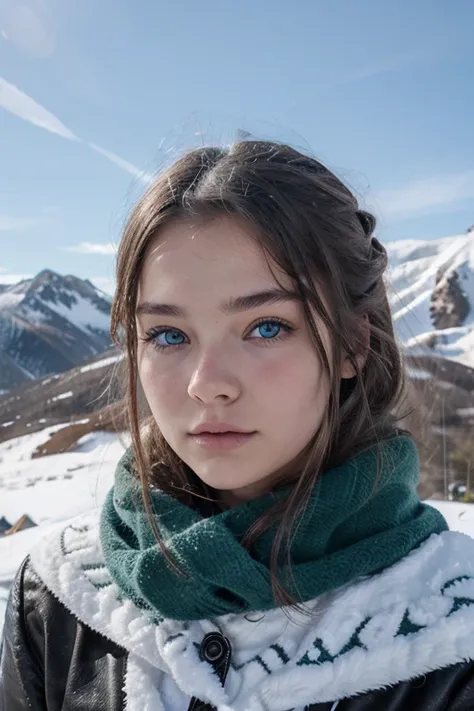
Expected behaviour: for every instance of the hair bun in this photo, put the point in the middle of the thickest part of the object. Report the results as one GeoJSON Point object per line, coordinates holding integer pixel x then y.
{"type": "Point", "coordinates": [367, 221]}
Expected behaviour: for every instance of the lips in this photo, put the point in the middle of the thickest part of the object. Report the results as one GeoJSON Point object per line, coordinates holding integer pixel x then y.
{"type": "Point", "coordinates": [218, 428]}
{"type": "Point", "coordinates": [221, 441]}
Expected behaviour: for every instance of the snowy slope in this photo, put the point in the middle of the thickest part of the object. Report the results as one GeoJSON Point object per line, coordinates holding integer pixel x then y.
{"type": "Point", "coordinates": [413, 269]}
{"type": "Point", "coordinates": [50, 490]}
{"type": "Point", "coordinates": [54, 488]}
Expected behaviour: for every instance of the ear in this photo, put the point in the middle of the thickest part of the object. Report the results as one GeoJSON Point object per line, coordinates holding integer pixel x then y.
{"type": "Point", "coordinates": [348, 369]}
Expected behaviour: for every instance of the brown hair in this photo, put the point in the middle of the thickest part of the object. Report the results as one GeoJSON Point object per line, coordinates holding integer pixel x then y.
{"type": "Point", "coordinates": [308, 224]}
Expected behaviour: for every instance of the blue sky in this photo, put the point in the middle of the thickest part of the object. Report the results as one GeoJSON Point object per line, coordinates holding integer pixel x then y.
{"type": "Point", "coordinates": [96, 95]}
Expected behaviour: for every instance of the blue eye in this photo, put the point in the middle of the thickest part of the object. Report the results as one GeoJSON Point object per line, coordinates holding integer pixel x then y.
{"type": "Point", "coordinates": [171, 338]}
{"type": "Point", "coordinates": [165, 338]}
{"type": "Point", "coordinates": [268, 329]}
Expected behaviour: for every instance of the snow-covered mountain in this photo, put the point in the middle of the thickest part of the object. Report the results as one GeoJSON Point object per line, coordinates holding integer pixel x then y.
{"type": "Point", "coordinates": [431, 292]}
{"type": "Point", "coordinates": [49, 324]}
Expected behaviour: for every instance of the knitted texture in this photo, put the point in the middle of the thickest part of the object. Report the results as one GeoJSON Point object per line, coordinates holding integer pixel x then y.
{"type": "Point", "coordinates": [363, 516]}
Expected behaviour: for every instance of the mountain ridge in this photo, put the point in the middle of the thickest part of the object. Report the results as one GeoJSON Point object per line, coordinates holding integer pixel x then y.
{"type": "Point", "coordinates": [49, 324]}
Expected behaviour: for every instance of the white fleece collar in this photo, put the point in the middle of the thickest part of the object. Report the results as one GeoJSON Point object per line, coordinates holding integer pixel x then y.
{"type": "Point", "coordinates": [413, 618]}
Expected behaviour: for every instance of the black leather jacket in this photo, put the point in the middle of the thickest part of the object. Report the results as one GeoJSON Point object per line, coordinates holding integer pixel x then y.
{"type": "Point", "coordinates": [52, 662]}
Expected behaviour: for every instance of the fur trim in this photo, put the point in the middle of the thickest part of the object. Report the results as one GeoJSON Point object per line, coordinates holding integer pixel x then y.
{"type": "Point", "coordinates": [412, 618]}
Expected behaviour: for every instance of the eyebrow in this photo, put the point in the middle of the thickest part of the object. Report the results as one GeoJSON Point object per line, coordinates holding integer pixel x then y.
{"type": "Point", "coordinates": [234, 305]}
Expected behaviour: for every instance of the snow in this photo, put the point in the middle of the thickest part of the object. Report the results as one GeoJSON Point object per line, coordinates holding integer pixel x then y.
{"type": "Point", "coordinates": [88, 442]}
{"type": "Point", "coordinates": [63, 396]}
{"type": "Point", "coordinates": [14, 295]}
{"type": "Point", "coordinates": [57, 487]}
{"type": "Point", "coordinates": [48, 380]}
{"type": "Point", "coordinates": [418, 374]}
{"type": "Point", "coordinates": [33, 317]}
{"type": "Point", "coordinates": [82, 314]}
{"type": "Point", "coordinates": [460, 517]}
{"type": "Point", "coordinates": [9, 299]}
{"type": "Point", "coordinates": [411, 279]}
{"type": "Point", "coordinates": [101, 363]}
{"type": "Point", "coordinates": [50, 490]}
{"type": "Point", "coordinates": [20, 449]}
{"type": "Point", "coordinates": [403, 250]}
{"type": "Point", "coordinates": [413, 318]}
{"type": "Point", "coordinates": [466, 412]}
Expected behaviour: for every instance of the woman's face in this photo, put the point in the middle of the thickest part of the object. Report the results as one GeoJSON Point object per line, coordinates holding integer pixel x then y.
{"type": "Point", "coordinates": [226, 350]}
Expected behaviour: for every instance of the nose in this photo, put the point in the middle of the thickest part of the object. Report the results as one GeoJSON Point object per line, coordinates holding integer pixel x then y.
{"type": "Point", "coordinates": [213, 379]}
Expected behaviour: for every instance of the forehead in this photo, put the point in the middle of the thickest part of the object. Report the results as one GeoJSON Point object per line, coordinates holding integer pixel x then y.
{"type": "Point", "coordinates": [215, 256]}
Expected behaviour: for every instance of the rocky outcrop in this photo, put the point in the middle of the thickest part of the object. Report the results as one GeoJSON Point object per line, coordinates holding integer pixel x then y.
{"type": "Point", "coordinates": [449, 305]}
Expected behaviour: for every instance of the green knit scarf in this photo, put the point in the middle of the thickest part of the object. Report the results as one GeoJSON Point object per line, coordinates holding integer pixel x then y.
{"type": "Point", "coordinates": [348, 530]}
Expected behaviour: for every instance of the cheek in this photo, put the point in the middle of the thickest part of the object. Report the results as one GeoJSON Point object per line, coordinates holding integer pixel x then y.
{"type": "Point", "coordinates": [292, 397]}
{"type": "Point", "coordinates": [295, 379]}
{"type": "Point", "coordinates": [162, 387]}
{"type": "Point", "coordinates": [294, 394]}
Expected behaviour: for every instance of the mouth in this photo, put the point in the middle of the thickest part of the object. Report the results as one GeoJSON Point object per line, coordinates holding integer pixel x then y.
{"type": "Point", "coordinates": [218, 428]}
{"type": "Point", "coordinates": [219, 437]}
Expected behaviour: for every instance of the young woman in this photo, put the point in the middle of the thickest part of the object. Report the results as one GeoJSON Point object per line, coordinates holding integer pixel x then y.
{"type": "Point", "coordinates": [263, 547]}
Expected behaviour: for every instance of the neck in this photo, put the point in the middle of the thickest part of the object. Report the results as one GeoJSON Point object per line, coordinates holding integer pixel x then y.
{"type": "Point", "coordinates": [236, 497]}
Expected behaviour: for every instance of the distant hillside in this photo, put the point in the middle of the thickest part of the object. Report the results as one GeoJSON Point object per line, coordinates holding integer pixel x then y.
{"type": "Point", "coordinates": [49, 324]}
{"type": "Point", "coordinates": [82, 392]}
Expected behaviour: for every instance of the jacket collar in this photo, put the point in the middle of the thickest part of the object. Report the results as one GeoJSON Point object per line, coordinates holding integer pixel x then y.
{"type": "Point", "coordinates": [408, 620]}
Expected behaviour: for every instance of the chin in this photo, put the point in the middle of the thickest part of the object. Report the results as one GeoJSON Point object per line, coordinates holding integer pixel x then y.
{"type": "Point", "coordinates": [220, 480]}
{"type": "Point", "coordinates": [220, 477]}
{"type": "Point", "coordinates": [233, 490]}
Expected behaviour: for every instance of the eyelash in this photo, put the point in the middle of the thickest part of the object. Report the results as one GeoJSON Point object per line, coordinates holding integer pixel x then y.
{"type": "Point", "coordinates": [153, 333]}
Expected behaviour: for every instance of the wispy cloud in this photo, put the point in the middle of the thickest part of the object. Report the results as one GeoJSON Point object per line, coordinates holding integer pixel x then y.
{"type": "Point", "coordinates": [91, 248]}
{"type": "Point", "coordinates": [20, 104]}
{"type": "Point", "coordinates": [26, 108]}
{"type": "Point", "coordinates": [104, 283]}
{"type": "Point", "coordinates": [8, 223]}
{"type": "Point", "coordinates": [7, 277]}
{"type": "Point", "coordinates": [146, 177]}
{"type": "Point", "coordinates": [416, 57]}
{"type": "Point", "coordinates": [390, 64]}
{"type": "Point", "coordinates": [436, 194]}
